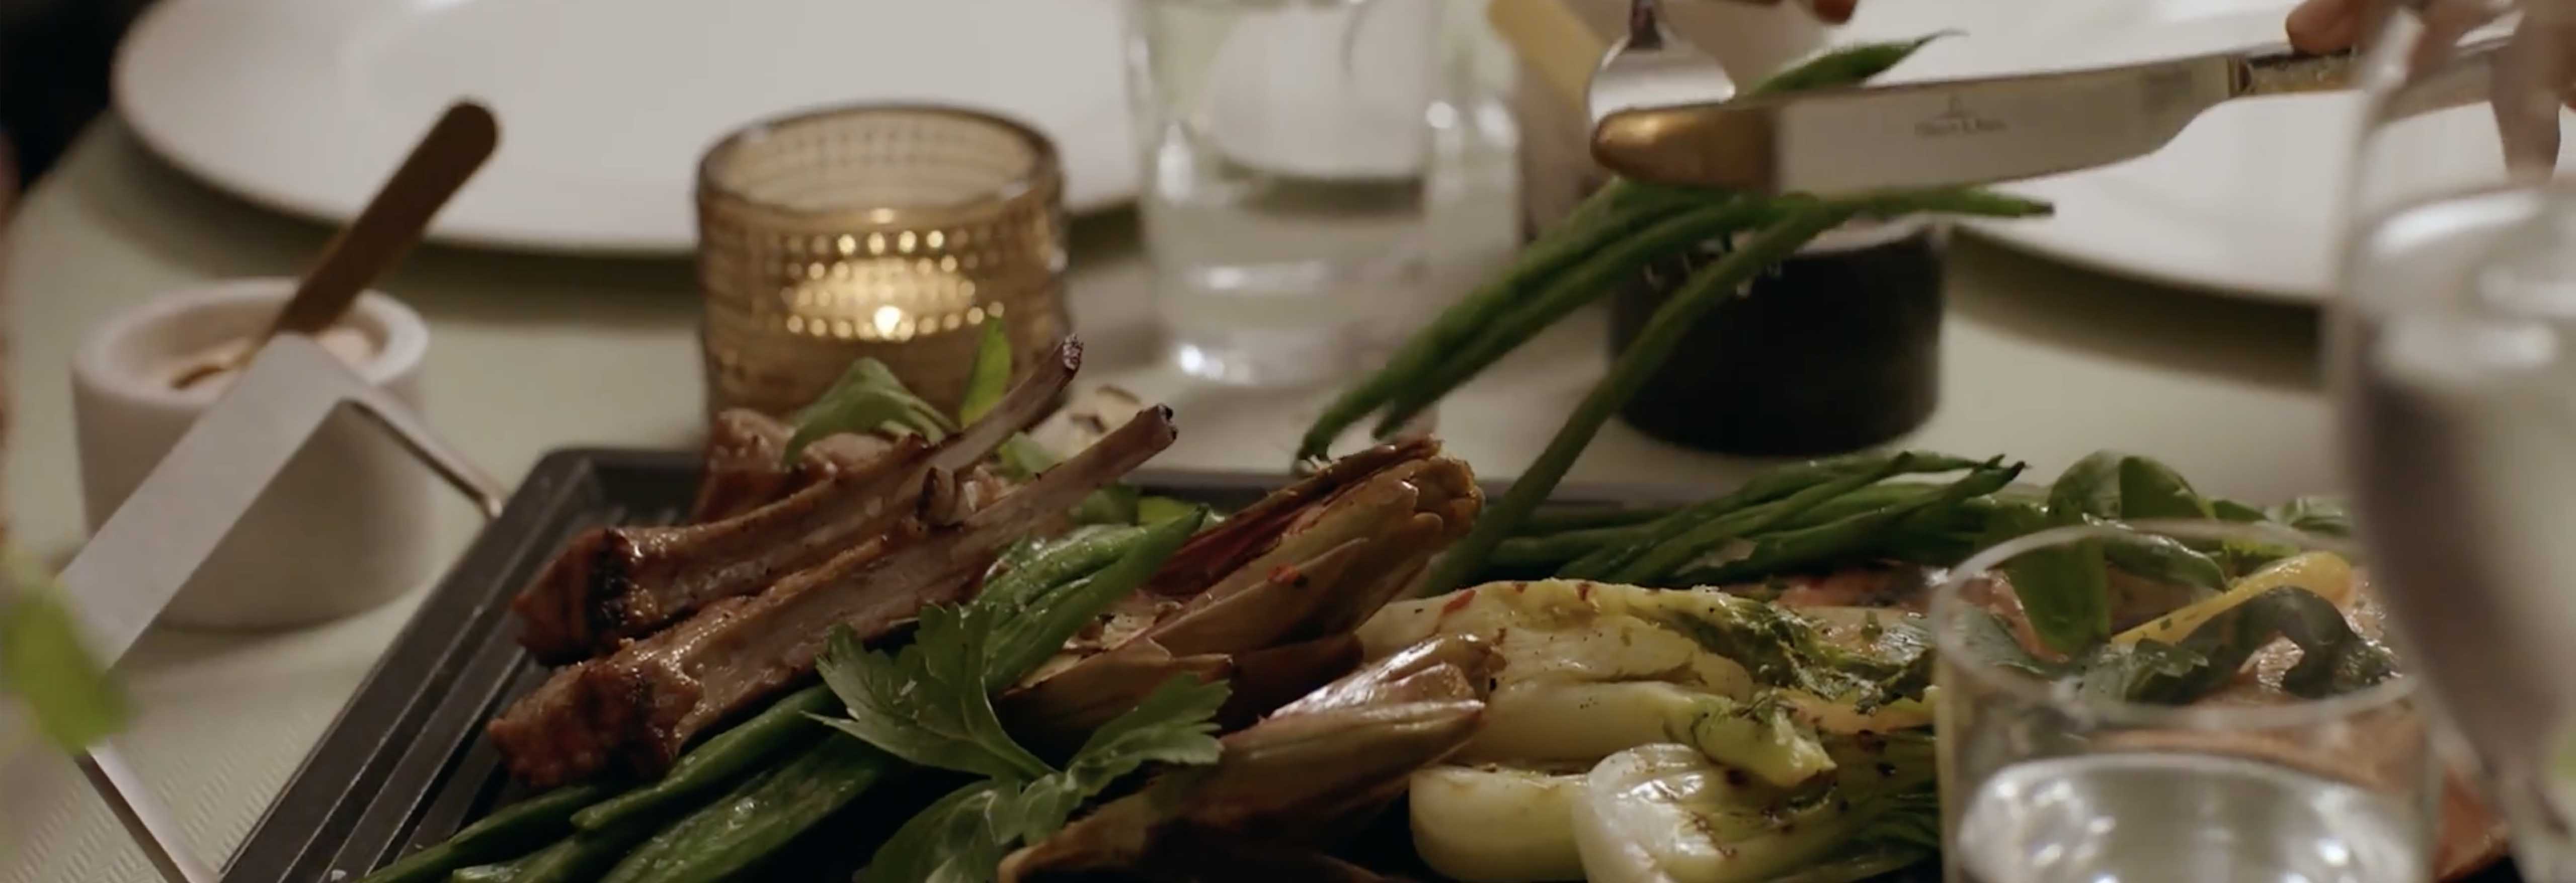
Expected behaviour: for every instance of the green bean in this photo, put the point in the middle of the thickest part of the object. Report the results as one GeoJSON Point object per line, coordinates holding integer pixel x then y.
{"type": "Point", "coordinates": [718, 760]}
{"type": "Point", "coordinates": [506, 832]}
{"type": "Point", "coordinates": [759, 817]}
{"type": "Point", "coordinates": [1608, 215]}
{"type": "Point", "coordinates": [1663, 333]}
{"type": "Point", "coordinates": [1846, 66]}
{"type": "Point", "coordinates": [1054, 565]}
{"type": "Point", "coordinates": [1152, 509]}
{"type": "Point", "coordinates": [1970, 201]}
{"type": "Point", "coordinates": [1027, 641]}
{"type": "Point", "coordinates": [1692, 543]}
{"type": "Point", "coordinates": [1574, 518]}
{"type": "Point", "coordinates": [1556, 549]}
{"type": "Point", "coordinates": [1859, 535]}
{"type": "Point", "coordinates": [576, 859]}
{"type": "Point", "coordinates": [1769, 486]}
{"type": "Point", "coordinates": [1598, 275]}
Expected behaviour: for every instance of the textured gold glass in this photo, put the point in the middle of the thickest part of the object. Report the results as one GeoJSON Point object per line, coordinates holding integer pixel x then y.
{"type": "Point", "coordinates": [886, 231]}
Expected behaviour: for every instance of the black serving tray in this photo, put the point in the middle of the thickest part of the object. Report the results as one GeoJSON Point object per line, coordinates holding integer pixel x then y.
{"type": "Point", "coordinates": [405, 763]}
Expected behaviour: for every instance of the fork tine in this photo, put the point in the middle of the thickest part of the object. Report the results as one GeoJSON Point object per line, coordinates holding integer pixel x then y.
{"type": "Point", "coordinates": [1650, 67]}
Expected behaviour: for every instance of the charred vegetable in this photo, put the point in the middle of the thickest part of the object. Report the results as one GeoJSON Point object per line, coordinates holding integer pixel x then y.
{"type": "Point", "coordinates": [1291, 782]}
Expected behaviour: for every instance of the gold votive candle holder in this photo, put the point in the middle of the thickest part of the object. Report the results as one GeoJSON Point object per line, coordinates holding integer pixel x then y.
{"type": "Point", "coordinates": [885, 231]}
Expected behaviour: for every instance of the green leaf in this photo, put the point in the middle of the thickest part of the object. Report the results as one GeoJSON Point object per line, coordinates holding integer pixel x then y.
{"type": "Point", "coordinates": [2165, 559]}
{"type": "Point", "coordinates": [991, 376]}
{"type": "Point", "coordinates": [1989, 641]}
{"type": "Point", "coordinates": [1022, 458]}
{"type": "Point", "coordinates": [1114, 504]}
{"type": "Point", "coordinates": [927, 704]}
{"type": "Point", "coordinates": [73, 699]}
{"type": "Point", "coordinates": [931, 705]}
{"type": "Point", "coordinates": [2064, 589]}
{"type": "Point", "coordinates": [2332, 658]}
{"type": "Point", "coordinates": [1174, 724]}
{"type": "Point", "coordinates": [963, 837]}
{"type": "Point", "coordinates": [2149, 489]}
{"type": "Point", "coordinates": [2230, 510]}
{"type": "Point", "coordinates": [1155, 510]}
{"type": "Point", "coordinates": [2090, 487]}
{"type": "Point", "coordinates": [2324, 516]}
{"type": "Point", "coordinates": [956, 840]}
{"type": "Point", "coordinates": [2137, 671]}
{"type": "Point", "coordinates": [867, 398]}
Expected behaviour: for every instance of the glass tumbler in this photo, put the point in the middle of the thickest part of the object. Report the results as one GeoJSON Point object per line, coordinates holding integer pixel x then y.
{"type": "Point", "coordinates": [1286, 145]}
{"type": "Point", "coordinates": [2452, 358]}
{"type": "Point", "coordinates": [889, 232]}
{"type": "Point", "coordinates": [2080, 766]}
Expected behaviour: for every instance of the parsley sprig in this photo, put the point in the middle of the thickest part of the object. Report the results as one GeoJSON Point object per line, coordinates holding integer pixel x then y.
{"type": "Point", "coordinates": [931, 704]}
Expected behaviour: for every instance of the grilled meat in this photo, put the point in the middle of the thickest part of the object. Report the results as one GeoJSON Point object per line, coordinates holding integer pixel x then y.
{"type": "Point", "coordinates": [745, 466]}
{"type": "Point", "coordinates": [643, 703]}
{"type": "Point", "coordinates": [616, 583]}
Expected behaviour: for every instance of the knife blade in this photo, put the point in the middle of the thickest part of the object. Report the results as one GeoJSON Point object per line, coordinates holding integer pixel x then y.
{"type": "Point", "coordinates": [1971, 131]}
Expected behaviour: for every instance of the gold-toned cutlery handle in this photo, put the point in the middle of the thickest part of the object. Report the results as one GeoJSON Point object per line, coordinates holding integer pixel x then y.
{"type": "Point", "coordinates": [2287, 72]}
{"type": "Point", "coordinates": [394, 220]}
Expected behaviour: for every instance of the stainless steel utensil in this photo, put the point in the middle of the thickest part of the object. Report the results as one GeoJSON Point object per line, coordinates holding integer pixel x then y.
{"type": "Point", "coordinates": [1973, 131]}
{"type": "Point", "coordinates": [385, 230]}
{"type": "Point", "coordinates": [1649, 67]}
{"type": "Point", "coordinates": [147, 550]}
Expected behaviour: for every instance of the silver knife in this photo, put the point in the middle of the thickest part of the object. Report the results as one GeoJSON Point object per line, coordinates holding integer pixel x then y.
{"type": "Point", "coordinates": [1974, 131]}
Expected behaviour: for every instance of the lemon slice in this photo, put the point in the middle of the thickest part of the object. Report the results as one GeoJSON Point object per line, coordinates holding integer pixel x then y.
{"type": "Point", "coordinates": [2324, 573]}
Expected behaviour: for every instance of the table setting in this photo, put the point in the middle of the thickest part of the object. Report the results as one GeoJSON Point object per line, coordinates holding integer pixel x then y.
{"type": "Point", "coordinates": [1483, 440]}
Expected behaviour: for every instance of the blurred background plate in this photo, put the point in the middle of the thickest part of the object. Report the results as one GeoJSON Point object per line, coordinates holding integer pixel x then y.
{"type": "Point", "coordinates": [2243, 203]}
{"type": "Point", "coordinates": [304, 105]}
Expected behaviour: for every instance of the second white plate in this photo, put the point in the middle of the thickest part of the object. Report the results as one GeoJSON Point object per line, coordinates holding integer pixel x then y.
{"type": "Point", "coordinates": [305, 105]}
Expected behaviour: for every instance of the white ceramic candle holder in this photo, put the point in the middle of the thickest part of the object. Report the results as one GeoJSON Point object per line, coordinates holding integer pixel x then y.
{"type": "Point", "coordinates": [345, 528]}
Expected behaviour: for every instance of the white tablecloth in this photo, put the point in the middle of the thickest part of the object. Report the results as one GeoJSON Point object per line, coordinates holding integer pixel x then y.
{"type": "Point", "coordinates": [532, 353]}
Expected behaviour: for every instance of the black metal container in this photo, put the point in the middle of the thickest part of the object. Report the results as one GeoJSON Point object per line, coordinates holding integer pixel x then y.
{"type": "Point", "coordinates": [1836, 350]}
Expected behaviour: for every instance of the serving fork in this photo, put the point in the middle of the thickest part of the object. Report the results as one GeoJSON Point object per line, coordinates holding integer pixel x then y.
{"type": "Point", "coordinates": [1650, 67]}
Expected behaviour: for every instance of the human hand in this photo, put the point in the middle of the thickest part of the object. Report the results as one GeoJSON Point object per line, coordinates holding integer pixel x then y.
{"type": "Point", "coordinates": [2331, 25]}
{"type": "Point", "coordinates": [1834, 11]}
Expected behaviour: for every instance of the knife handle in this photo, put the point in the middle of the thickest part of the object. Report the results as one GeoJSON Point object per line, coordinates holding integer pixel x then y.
{"type": "Point", "coordinates": [2280, 70]}
{"type": "Point", "coordinates": [2286, 72]}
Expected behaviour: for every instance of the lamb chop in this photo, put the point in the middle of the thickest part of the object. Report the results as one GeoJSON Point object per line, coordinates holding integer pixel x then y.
{"type": "Point", "coordinates": [745, 465]}
{"type": "Point", "coordinates": [643, 703]}
{"type": "Point", "coordinates": [616, 583]}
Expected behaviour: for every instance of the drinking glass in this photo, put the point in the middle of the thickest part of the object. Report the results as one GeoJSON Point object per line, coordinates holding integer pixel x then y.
{"type": "Point", "coordinates": [2449, 357]}
{"type": "Point", "coordinates": [2066, 777]}
{"type": "Point", "coordinates": [1290, 169]}
{"type": "Point", "coordinates": [881, 231]}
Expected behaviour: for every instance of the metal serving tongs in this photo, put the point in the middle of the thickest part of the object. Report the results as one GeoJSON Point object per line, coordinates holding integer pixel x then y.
{"type": "Point", "coordinates": [1980, 130]}
{"type": "Point", "coordinates": [174, 520]}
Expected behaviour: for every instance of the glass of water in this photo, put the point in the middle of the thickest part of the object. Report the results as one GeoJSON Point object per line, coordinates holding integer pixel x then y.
{"type": "Point", "coordinates": [2185, 738]}
{"type": "Point", "coordinates": [1286, 145]}
{"type": "Point", "coordinates": [2452, 357]}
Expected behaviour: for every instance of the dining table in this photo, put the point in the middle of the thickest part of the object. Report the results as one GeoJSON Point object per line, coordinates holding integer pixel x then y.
{"type": "Point", "coordinates": [530, 353]}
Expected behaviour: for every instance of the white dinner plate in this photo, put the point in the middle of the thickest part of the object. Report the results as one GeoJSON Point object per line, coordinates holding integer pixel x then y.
{"type": "Point", "coordinates": [605, 105]}
{"type": "Point", "coordinates": [2246, 201]}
